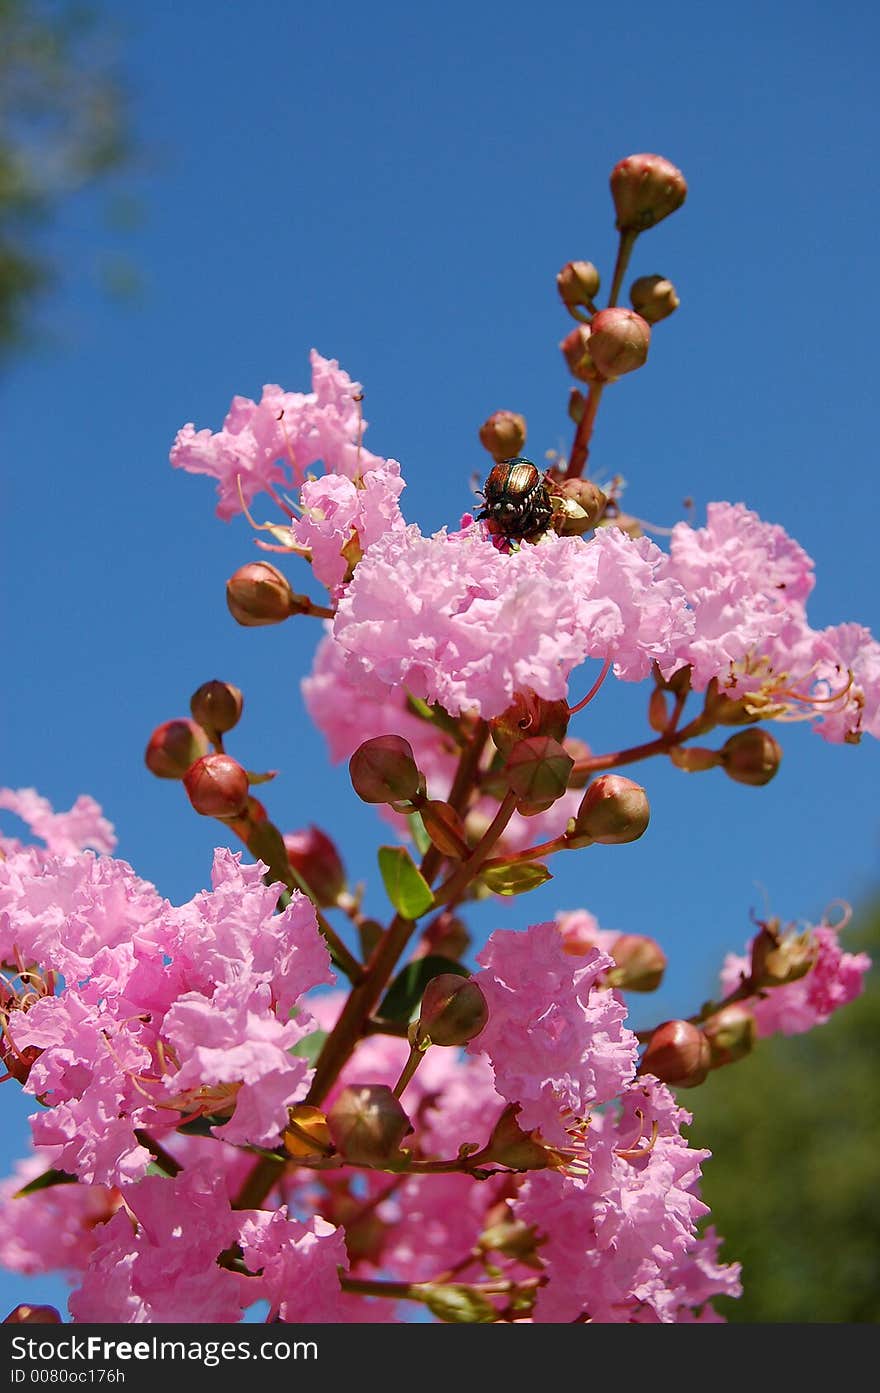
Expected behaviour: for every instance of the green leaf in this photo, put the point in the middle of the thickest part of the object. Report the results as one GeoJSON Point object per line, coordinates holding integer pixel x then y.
{"type": "Point", "coordinates": [44, 1182]}
{"type": "Point", "coordinates": [405, 886]}
{"type": "Point", "coordinates": [310, 1046]}
{"type": "Point", "coordinates": [408, 987]}
{"type": "Point", "coordinates": [517, 878]}
{"type": "Point", "coordinates": [457, 1304]}
{"type": "Point", "coordinates": [417, 832]}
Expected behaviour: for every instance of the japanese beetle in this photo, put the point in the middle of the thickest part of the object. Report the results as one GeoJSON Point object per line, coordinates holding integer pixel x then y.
{"type": "Point", "coordinates": [517, 504]}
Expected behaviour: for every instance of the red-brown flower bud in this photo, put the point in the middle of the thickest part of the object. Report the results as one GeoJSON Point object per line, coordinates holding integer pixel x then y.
{"type": "Point", "coordinates": [503, 435]}
{"type": "Point", "coordinates": [678, 1052]}
{"type": "Point", "coordinates": [639, 963]}
{"type": "Point", "coordinates": [654, 298]}
{"type": "Point", "coordinates": [613, 810]}
{"type": "Point", "coordinates": [217, 707]}
{"type": "Point", "coordinates": [528, 715]}
{"type": "Point", "coordinates": [576, 352]}
{"type": "Point", "coordinates": [645, 189]}
{"type": "Point", "coordinates": [173, 747]}
{"type": "Point", "coordinates": [453, 1010]}
{"type": "Point", "coordinates": [33, 1315]}
{"type": "Point", "coordinates": [260, 594]}
{"type": "Point", "coordinates": [367, 1124]}
{"type": "Point", "coordinates": [311, 852]}
{"type": "Point", "coordinates": [578, 284]}
{"type": "Point", "coordinates": [537, 771]}
{"type": "Point", "coordinates": [384, 770]}
{"type": "Point", "coordinates": [694, 759]}
{"type": "Point", "coordinates": [731, 1034]}
{"type": "Point", "coordinates": [619, 342]}
{"type": "Point", "coordinates": [217, 786]}
{"type": "Point", "coordinates": [578, 504]}
{"type": "Point", "coordinates": [751, 756]}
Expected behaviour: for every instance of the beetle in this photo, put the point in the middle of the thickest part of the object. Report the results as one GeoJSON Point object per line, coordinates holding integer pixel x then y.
{"type": "Point", "coordinates": [517, 504]}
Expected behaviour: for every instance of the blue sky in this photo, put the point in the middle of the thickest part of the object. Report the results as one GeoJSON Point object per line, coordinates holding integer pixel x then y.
{"type": "Point", "coordinates": [398, 189]}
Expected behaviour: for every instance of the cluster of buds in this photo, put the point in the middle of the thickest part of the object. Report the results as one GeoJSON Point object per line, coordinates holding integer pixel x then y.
{"type": "Point", "coordinates": [216, 784]}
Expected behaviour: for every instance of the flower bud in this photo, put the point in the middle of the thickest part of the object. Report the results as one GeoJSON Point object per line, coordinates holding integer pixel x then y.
{"type": "Point", "coordinates": [731, 1034]}
{"type": "Point", "coordinates": [613, 810]}
{"type": "Point", "coordinates": [645, 189]}
{"type": "Point", "coordinates": [311, 852]}
{"type": "Point", "coordinates": [580, 505]}
{"type": "Point", "coordinates": [751, 756]}
{"type": "Point", "coordinates": [445, 937]}
{"type": "Point", "coordinates": [33, 1315]}
{"type": "Point", "coordinates": [537, 771]}
{"type": "Point", "coordinates": [678, 1052]}
{"type": "Point", "coordinates": [654, 298]}
{"type": "Point", "coordinates": [503, 435]}
{"type": "Point", "coordinates": [384, 770]}
{"type": "Point", "coordinates": [173, 747]}
{"type": "Point", "coordinates": [619, 342]}
{"type": "Point", "coordinates": [217, 786]}
{"type": "Point", "coordinates": [528, 715]}
{"type": "Point", "coordinates": [259, 594]}
{"type": "Point", "coordinates": [217, 707]}
{"type": "Point", "coordinates": [639, 963]}
{"type": "Point", "coordinates": [578, 284]}
{"type": "Point", "coordinates": [367, 1124]}
{"type": "Point", "coordinates": [453, 1010]}
{"type": "Point", "coordinates": [576, 352]}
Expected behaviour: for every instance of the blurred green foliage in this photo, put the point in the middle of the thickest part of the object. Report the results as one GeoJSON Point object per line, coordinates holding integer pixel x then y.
{"type": "Point", "coordinates": [794, 1181]}
{"type": "Point", "coordinates": [63, 126]}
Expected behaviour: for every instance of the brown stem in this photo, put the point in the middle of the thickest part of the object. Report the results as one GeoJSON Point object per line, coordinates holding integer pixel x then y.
{"type": "Point", "coordinates": [624, 252]}
{"type": "Point", "coordinates": [583, 432]}
{"type": "Point", "coordinates": [452, 888]}
{"type": "Point", "coordinates": [661, 746]}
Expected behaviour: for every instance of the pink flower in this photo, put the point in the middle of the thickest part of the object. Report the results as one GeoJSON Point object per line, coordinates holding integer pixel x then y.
{"type": "Point", "coordinates": [53, 1229]}
{"type": "Point", "coordinates": [297, 1265]}
{"type": "Point", "coordinates": [341, 520]}
{"type": "Point", "coordinates": [451, 619]}
{"type": "Point", "coordinates": [834, 979]}
{"type": "Point", "coordinates": [620, 1242]}
{"type": "Point", "coordinates": [158, 1261]}
{"type": "Point", "coordinates": [580, 932]}
{"type": "Point", "coordinates": [556, 1040]}
{"type": "Point", "coordinates": [275, 440]}
{"type": "Point", "coordinates": [64, 833]}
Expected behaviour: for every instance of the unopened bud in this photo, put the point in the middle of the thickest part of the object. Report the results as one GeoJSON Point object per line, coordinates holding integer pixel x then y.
{"type": "Point", "coordinates": [217, 707]}
{"type": "Point", "coordinates": [654, 298]}
{"type": "Point", "coordinates": [619, 342]}
{"type": "Point", "coordinates": [578, 284]}
{"type": "Point", "coordinates": [528, 715]}
{"type": "Point", "coordinates": [678, 1052]}
{"type": "Point", "coordinates": [578, 504]}
{"type": "Point", "coordinates": [537, 771]}
{"type": "Point", "coordinates": [503, 435]}
{"type": "Point", "coordinates": [613, 810]}
{"type": "Point", "coordinates": [453, 1010]}
{"type": "Point", "coordinates": [259, 594]}
{"type": "Point", "coordinates": [576, 352]}
{"type": "Point", "coordinates": [639, 963]}
{"type": "Point", "coordinates": [311, 852]}
{"type": "Point", "coordinates": [217, 786]}
{"type": "Point", "coordinates": [384, 770]}
{"type": "Point", "coordinates": [33, 1315]}
{"type": "Point", "coordinates": [173, 747]}
{"type": "Point", "coordinates": [731, 1034]}
{"type": "Point", "coordinates": [367, 1124]}
{"type": "Point", "coordinates": [645, 189]}
{"type": "Point", "coordinates": [751, 756]}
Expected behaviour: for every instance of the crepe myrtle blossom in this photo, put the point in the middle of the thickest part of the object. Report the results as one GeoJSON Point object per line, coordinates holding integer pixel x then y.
{"type": "Point", "coordinates": [276, 440]}
{"type": "Point", "coordinates": [65, 834]}
{"type": "Point", "coordinates": [834, 978]}
{"type": "Point", "coordinates": [341, 518]}
{"type": "Point", "coordinates": [619, 1241]}
{"type": "Point", "coordinates": [453, 620]}
{"type": "Point", "coordinates": [555, 1038]}
{"type": "Point", "coordinates": [747, 583]}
